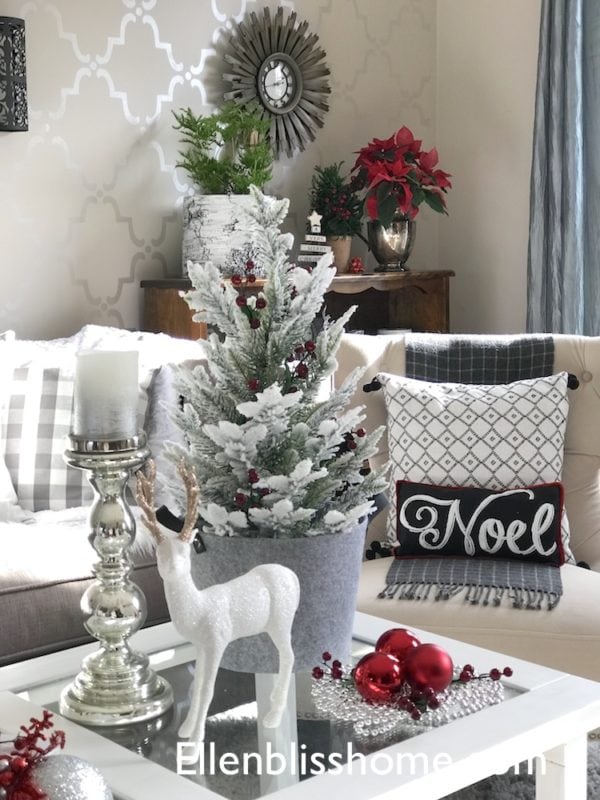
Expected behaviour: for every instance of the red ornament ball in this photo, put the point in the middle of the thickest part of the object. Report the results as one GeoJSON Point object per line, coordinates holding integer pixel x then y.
{"type": "Point", "coordinates": [428, 667]}
{"type": "Point", "coordinates": [378, 677]}
{"type": "Point", "coordinates": [397, 642]}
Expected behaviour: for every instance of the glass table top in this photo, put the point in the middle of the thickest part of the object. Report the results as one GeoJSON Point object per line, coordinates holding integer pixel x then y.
{"type": "Point", "coordinates": [234, 760]}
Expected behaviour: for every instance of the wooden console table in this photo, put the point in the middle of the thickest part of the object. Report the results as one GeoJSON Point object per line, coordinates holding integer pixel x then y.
{"type": "Point", "coordinates": [418, 301]}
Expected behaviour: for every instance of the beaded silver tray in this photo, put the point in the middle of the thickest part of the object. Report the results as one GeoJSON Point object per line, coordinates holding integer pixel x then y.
{"type": "Point", "coordinates": [339, 700]}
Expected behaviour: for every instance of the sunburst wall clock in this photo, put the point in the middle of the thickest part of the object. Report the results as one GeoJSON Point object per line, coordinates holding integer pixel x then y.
{"type": "Point", "coordinates": [274, 62]}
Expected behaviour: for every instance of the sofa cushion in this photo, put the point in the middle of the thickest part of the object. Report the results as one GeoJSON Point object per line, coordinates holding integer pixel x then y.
{"type": "Point", "coordinates": [580, 355]}
{"type": "Point", "coordinates": [566, 638]}
{"type": "Point", "coordinates": [581, 480]}
{"type": "Point", "coordinates": [10, 511]}
{"type": "Point", "coordinates": [7, 490]}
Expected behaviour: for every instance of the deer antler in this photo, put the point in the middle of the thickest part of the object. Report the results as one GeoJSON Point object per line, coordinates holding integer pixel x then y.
{"type": "Point", "coordinates": [188, 476]}
{"type": "Point", "coordinates": [145, 499]}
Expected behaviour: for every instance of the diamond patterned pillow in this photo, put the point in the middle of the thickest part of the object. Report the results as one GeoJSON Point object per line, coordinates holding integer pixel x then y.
{"type": "Point", "coordinates": [493, 437]}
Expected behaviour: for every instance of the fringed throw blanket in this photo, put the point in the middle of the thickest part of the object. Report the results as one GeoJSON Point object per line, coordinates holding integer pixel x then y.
{"type": "Point", "coordinates": [480, 581]}
{"type": "Point", "coordinates": [487, 581]}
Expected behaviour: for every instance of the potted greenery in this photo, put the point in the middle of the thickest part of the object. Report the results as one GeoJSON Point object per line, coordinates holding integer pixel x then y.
{"type": "Point", "coordinates": [335, 199]}
{"type": "Point", "coordinates": [397, 176]}
{"type": "Point", "coordinates": [279, 462]}
{"type": "Point", "coordinates": [226, 152]}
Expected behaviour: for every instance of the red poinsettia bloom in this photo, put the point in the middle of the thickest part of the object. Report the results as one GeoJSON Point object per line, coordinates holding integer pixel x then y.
{"type": "Point", "coordinates": [397, 176]}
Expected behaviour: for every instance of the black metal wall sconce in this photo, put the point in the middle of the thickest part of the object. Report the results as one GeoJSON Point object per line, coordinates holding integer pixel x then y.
{"type": "Point", "coordinates": [13, 78]}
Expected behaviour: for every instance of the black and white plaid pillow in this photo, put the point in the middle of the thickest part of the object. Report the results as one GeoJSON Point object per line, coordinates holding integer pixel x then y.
{"type": "Point", "coordinates": [36, 420]}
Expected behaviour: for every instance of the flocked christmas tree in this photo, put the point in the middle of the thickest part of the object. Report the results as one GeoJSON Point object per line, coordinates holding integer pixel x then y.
{"type": "Point", "coordinates": [273, 454]}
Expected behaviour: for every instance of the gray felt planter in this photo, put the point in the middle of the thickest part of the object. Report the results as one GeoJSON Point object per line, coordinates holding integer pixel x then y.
{"type": "Point", "coordinates": [328, 569]}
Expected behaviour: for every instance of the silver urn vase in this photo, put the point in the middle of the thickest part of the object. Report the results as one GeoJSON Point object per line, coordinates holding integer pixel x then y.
{"type": "Point", "coordinates": [392, 244]}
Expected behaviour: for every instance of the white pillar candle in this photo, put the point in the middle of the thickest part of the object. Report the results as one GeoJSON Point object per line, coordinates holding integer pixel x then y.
{"type": "Point", "coordinates": [106, 394]}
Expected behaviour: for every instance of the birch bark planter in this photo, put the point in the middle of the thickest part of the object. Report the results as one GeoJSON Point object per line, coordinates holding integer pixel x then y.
{"type": "Point", "coordinates": [328, 568]}
{"type": "Point", "coordinates": [215, 228]}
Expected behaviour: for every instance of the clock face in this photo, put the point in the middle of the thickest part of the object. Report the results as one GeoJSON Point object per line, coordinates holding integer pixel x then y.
{"type": "Point", "coordinates": [279, 83]}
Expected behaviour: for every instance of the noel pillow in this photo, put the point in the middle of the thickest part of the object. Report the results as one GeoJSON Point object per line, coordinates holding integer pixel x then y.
{"type": "Point", "coordinates": [467, 522]}
{"type": "Point", "coordinates": [497, 437]}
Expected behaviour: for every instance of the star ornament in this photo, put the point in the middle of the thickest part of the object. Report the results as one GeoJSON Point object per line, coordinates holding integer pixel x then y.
{"type": "Point", "coordinates": [314, 220]}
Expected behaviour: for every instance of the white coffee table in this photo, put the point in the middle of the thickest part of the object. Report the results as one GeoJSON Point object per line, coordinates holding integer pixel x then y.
{"type": "Point", "coordinates": [549, 715]}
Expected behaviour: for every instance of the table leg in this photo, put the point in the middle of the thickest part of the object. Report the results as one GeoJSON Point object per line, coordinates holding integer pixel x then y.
{"type": "Point", "coordinates": [282, 740]}
{"type": "Point", "coordinates": [565, 771]}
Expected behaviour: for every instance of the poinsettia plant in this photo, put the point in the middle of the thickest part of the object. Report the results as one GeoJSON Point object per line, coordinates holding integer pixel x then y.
{"type": "Point", "coordinates": [397, 175]}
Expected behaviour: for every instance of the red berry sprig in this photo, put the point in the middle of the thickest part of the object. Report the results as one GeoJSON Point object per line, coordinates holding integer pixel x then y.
{"type": "Point", "coordinates": [467, 674]}
{"type": "Point", "coordinates": [31, 745]}
{"type": "Point", "coordinates": [334, 669]}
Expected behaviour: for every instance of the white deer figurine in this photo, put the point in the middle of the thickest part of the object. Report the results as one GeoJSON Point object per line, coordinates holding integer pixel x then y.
{"type": "Point", "coordinates": [264, 599]}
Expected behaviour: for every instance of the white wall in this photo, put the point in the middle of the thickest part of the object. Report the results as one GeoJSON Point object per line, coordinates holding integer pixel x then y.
{"type": "Point", "coordinates": [90, 200]}
{"type": "Point", "coordinates": [486, 73]}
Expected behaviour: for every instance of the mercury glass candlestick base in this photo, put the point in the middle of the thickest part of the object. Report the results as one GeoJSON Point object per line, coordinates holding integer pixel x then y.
{"type": "Point", "coordinates": [115, 685]}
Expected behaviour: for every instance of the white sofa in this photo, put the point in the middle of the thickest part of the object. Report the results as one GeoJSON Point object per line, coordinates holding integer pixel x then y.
{"type": "Point", "coordinates": [566, 638]}
{"type": "Point", "coordinates": [45, 567]}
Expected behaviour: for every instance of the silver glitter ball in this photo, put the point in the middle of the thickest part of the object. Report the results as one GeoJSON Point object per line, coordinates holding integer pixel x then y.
{"type": "Point", "coordinates": [70, 778]}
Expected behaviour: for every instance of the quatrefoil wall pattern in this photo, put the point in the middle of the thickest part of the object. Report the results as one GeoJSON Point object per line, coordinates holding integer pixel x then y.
{"type": "Point", "coordinates": [90, 198]}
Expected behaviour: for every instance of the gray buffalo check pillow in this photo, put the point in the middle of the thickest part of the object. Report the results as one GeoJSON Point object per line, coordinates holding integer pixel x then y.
{"type": "Point", "coordinates": [488, 436]}
{"type": "Point", "coordinates": [36, 414]}
{"type": "Point", "coordinates": [36, 420]}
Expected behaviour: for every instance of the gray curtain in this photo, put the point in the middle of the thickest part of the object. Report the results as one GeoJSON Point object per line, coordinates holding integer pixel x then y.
{"type": "Point", "coordinates": [563, 277]}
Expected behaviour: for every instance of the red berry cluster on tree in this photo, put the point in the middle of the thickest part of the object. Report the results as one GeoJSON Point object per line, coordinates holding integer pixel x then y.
{"type": "Point", "coordinates": [31, 746]}
{"type": "Point", "coordinates": [301, 357]}
{"type": "Point", "coordinates": [349, 442]}
{"type": "Point", "coordinates": [252, 497]}
{"type": "Point", "coordinates": [242, 284]}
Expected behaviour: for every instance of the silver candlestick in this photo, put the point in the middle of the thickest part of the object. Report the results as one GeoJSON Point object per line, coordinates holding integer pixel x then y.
{"type": "Point", "coordinates": [115, 685]}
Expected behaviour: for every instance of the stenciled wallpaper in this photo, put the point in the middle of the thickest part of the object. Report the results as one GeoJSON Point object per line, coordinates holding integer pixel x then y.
{"type": "Point", "coordinates": [90, 199]}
